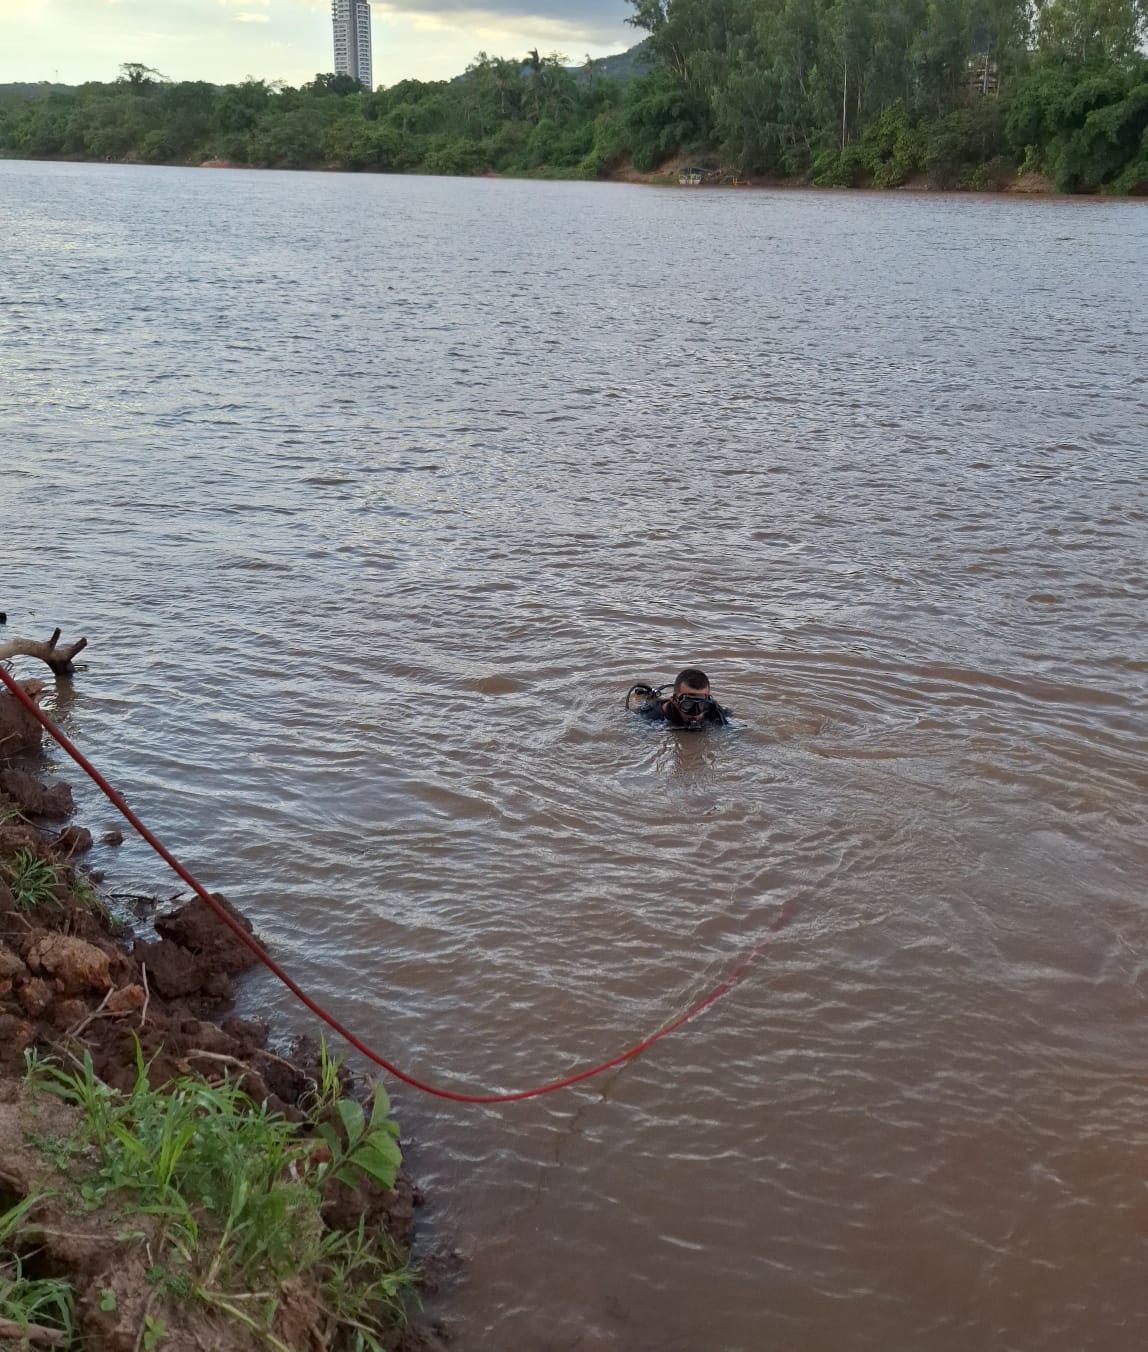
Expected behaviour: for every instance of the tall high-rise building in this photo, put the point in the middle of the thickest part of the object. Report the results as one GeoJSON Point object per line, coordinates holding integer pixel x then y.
{"type": "Point", "coordinates": [351, 20]}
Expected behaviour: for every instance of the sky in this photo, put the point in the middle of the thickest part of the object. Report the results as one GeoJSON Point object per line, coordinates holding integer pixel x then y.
{"type": "Point", "coordinates": [224, 41]}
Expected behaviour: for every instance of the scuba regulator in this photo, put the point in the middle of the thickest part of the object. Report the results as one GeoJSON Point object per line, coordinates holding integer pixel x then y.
{"type": "Point", "coordinates": [640, 697]}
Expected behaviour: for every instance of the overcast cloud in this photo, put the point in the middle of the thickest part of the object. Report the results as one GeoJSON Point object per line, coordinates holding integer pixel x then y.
{"type": "Point", "coordinates": [584, 12]}
{"type": "Point", "coordinates": [228, 40]}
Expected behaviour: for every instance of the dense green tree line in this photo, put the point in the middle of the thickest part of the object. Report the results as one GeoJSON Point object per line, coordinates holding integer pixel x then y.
{"type": "Point", "coordinates": [876, 91]}
{"type": "Point", "coordinates": [842, 92]}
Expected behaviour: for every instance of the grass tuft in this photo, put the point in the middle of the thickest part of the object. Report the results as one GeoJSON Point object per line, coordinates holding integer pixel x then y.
{"type": "Point", "coordinates": [237, 1195]}
{"type": "Point", "coordinates": [31, 880]}
{"type": "Point", "coordinates": [46, 1302]}
{"type": "Point", "coordinates": [329, 1088]}
{"type": "Point", "coordinates": [38, 884]}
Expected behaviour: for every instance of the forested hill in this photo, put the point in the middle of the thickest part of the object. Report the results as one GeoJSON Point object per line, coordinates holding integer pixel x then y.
{"type": "Point", "coordinates": [636, 60]}
{"type": "Point", "coordinates": [31, 91]}
{"type": "Point", "coordinates": [958, 93]}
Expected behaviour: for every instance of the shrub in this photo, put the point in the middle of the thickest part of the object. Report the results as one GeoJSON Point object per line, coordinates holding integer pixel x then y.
{"type": "Point", "coordinates": [839, 169]}
{"type": "Point", "coordinates": [661, 117]}
{"type": "Point", "coordinates": [962, 142]}
{"type": "Point", "coordinates": [892, 149]}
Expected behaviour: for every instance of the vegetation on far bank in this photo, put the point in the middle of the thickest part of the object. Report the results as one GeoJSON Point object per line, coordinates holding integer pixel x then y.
{"type": "Point", "coordinates": [967, 92]}
{"type": "Point", "coordinates": [838, 92]}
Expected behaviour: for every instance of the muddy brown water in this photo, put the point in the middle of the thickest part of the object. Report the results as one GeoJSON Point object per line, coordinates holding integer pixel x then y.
{"type": "Point", "coordinates": [373, 495]}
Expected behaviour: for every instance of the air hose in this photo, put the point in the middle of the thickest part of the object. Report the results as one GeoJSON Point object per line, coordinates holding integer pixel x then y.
{"type": "Point", "coordinates": [249, 941]}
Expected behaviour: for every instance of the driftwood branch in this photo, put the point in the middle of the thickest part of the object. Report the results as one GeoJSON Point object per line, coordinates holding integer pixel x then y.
{"type": "Point", "coordinates": [58, 656]}
{"type": "Point", "coordinates": [32, 1333]}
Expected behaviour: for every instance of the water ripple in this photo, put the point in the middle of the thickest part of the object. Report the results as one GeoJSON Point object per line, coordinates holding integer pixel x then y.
{"type": "Point", "coordinates": [375, 494]}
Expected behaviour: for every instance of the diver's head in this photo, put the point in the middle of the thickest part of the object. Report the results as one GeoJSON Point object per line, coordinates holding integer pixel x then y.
{"type": "Point", "coordinates": [691, 698]}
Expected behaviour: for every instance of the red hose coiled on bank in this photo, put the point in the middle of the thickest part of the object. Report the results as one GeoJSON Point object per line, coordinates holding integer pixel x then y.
{"type": "Point", "coordinates": [264, 957]}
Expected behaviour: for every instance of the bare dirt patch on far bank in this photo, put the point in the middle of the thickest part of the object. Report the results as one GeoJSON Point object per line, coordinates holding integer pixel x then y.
{"type": "Point", "coordinates": [1031, 185]}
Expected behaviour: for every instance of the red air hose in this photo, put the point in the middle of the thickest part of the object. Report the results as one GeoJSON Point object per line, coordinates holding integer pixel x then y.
{"type": "Point", "coordinates": [264, 957]}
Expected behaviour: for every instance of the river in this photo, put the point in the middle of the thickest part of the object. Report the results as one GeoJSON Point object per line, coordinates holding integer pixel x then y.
{"type": "Point", "coordinates": [373, 495]}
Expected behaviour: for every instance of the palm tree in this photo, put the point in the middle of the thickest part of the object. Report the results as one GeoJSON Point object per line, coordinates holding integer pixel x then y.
{"type": "Point", "coordinates": [534, 61]}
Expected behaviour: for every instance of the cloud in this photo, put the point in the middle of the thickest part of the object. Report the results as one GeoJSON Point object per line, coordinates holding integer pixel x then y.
{"type": "Point", "coordinates": [587, 13]}
{"type": "Point", "coordinates": [224, 40]}
{"type": "Point", "coordinates": [604, 19]}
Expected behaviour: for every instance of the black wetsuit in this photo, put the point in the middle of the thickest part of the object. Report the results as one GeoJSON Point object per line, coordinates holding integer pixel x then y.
{"type": "Point", "coordinates": [663, 711]}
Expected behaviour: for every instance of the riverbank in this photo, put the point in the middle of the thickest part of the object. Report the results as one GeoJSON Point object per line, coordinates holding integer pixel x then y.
{"type": "Point", "coordinates": [166, 1180]}
{"type": "Point", "coordinates": [670, 175]}
{"type": "Point", "coordinates": [1028, 184]}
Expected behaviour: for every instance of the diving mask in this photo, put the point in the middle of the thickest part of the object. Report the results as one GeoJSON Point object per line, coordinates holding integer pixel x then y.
{"type": "Point", "coordinates": [693, 706]}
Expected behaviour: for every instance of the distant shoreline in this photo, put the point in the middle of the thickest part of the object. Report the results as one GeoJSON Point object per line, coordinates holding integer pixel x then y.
{"type": "Point", "coordinates": [1024, 186]}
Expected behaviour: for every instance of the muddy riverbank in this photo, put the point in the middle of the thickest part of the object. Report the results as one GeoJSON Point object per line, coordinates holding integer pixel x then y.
{"type": "Point", "coordinates": [1027, 185]}
{"type": "Point", "coordinates": [102, 1003]}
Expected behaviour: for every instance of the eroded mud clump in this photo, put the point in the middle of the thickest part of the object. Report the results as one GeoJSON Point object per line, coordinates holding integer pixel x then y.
{"type": "Point", "coordinates": [152, 1010]}
{"type": "Point", "coordinates": [19, 731]}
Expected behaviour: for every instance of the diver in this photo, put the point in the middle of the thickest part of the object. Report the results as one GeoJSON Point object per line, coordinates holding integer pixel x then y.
{"type": "Point", "coordinates": [689, 706]}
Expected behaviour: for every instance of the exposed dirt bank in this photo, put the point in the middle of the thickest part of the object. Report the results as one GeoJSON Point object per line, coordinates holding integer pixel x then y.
{"type": "Point", "coordinates": [1026, 185]}
{"type": "Point", "coordinates": [669, 173]}
{"type": "Point", "coordinates": [1032, 184]}
{"type": "Point", "coordinates": [77, 982]}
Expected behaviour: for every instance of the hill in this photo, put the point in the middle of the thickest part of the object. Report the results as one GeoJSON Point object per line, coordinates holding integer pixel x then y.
{"type": "Point", "coordinates": [622, 66]}
{"type": "Point", "coordinates": [31, 91]}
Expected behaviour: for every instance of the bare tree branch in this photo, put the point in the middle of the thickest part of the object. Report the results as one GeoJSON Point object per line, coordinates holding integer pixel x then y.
{"type": "Point", "coordinates": [59, 658]}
